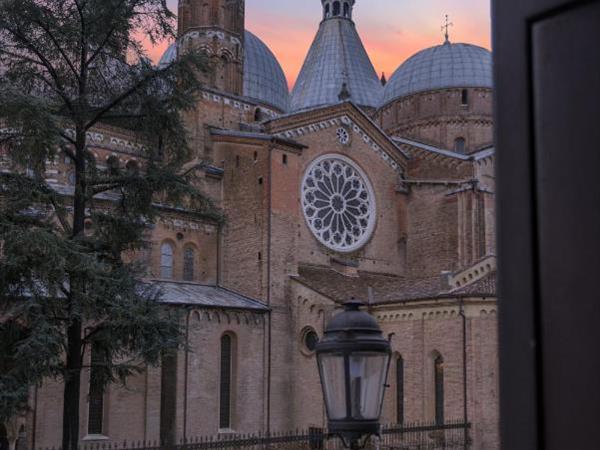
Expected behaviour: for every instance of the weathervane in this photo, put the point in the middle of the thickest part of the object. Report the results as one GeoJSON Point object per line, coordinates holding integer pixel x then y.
{"type": "Point", "coordinates": [445, 29]}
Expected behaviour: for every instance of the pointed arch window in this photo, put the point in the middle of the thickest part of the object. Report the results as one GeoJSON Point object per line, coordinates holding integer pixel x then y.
{"type": "Point", "coordinates": [346, 9]}
{"type": "Point", "coordinates": [400, 390]}
{"type": "Point", "coordinates": [226, 378]}
{"type": "Point", "coordinates": [438, 363]}
{"type": "Point", "coordinates": [327, 10]}
{"type": "Point", "coordinates": [189, 257]}
{"type": "Point", "coordinates": [166, 260]}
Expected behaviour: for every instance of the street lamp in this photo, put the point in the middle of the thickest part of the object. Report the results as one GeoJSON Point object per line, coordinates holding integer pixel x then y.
{"type": "Point", "coordinates": [353, 359]}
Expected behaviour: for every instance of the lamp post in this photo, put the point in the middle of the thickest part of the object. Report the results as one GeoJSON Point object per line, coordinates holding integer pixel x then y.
{"type": "Point", "coordinates": [353, 359]}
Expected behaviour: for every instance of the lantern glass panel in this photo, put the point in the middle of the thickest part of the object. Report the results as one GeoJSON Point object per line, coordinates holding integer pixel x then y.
{"type": "Point", "coordinates": [367, 379]}
{"type": "Point", "coordinates": [334, 384]}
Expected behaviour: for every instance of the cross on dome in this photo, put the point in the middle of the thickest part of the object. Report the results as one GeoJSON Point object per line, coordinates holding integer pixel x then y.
{"type": "Point", "coordinates": [445, 29]}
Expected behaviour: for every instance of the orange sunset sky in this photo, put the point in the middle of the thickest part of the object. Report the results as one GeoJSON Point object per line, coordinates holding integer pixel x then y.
{"type": "Point", "coordinates": [391, 30]}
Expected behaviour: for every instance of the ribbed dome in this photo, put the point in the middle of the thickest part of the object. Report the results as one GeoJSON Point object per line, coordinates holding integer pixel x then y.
{"type": "Point", "coordinates": [444, 66]}
{"type": "Point", "coordinates": [336, 56]}
{"type": "Point", "coordinates": [264, 80]}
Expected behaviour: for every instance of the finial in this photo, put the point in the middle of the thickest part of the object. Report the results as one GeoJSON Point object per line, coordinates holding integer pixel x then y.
{"type": "Point", "coordinates": [344, 93]}
{"type": "Point", "coordinates": [445, 29]}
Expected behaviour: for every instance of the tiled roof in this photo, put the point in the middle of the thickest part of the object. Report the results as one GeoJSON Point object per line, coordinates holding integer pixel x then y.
{"type": "Point", "coordinates": [336, 56]}
{"type": "Point", "coordinates": [193, 294]}
{"type": "Point", "coordinates": [384, 288]}
{"type": "Point", "coordinates": [485, 286]}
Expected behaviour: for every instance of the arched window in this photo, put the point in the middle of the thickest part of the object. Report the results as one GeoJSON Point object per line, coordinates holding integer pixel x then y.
{"type": "Point", "coordinates": [166, 260]}
{"type": "Point", "coordinates": [96, 393]}
{"type": "Point", "coordinates": [346, 9]}
{"type": "Point", "coordinates": [327, 10]}
{"type": "Point", "coordinates": [459, 145]}
{"type": "Point", "coordinates": [336, 9]}
{"type": "Point", "coordinates": [189, 256]}
{"type": "Point", "coordinates": [438, 364]}
{"type": "Point", "coordinates": [400, 390]}
{"type": "Point", "coordinates": [225, 394]}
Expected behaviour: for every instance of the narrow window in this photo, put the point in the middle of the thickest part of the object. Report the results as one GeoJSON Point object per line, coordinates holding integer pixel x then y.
{"type": "Point", "coordinates": [464, 97]}
{"type": "Point", "coordinates": [96, 392]}
{"type": "Point", "coordinates": [336, 8]}
{"type": "Point", "coordinates": [257, 115]}
{"type": "Point", "coordinates": [255, 156]}
{"type": "Point", "coordinates": [225, 385]}
{"type": "Point", "coordinates": [327, 9]}
{"type": "Point", "coordinates": [259, 256]}
{"type": "Point", "coordinates": [166, 260]}
{"type": "Point", "coordinates": [459, 145]}
{"type": "Point", "coordinates": [284, 159]}
{"type": "Point", "coordinates": [346, 9]}
{"type": "Point", "coordinates": [439, 389]}
{"type": "Point", "coordinates": [237, 161]}
{"type": "Point", "coordinates": [400, 390]}
{"type": "Point", "coordinates": [189, 255]}
{"type": "Point", "coordinates": [260, 180]}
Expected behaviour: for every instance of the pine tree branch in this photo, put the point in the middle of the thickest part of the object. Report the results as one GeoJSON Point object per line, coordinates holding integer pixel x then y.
{"type": "Point", "coordinates": [47, 65]}
{"type": "Point", "coordinates": [58, 47]}
{"type": "Point", "coordinates": [121, 98]}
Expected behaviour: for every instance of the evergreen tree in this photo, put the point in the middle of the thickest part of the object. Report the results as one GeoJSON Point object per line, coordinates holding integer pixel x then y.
{"type": "Point", "coordinates": [66, 68]}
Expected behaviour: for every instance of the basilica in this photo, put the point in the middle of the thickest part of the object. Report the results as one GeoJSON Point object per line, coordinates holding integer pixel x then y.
{"type": "Point", "coordinates": [349, 186]}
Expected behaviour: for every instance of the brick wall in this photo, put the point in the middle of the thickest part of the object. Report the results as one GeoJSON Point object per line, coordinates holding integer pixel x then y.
{"type": "Point", "coordinates": [439, 117]}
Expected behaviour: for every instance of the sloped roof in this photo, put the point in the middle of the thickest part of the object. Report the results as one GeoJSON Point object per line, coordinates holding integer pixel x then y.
{"type": "Point", "coordinates": [193, 294]}
{"type": "Point", "coordinates": [336, 56]}
{"type": "Point", "coordinates": [386, 288]}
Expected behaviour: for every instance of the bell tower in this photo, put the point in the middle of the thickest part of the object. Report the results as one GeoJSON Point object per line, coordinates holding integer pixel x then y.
{"type": "Point", "coordinates": [216, 27]}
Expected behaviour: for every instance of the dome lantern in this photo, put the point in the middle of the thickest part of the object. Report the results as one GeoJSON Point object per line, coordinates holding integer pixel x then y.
{"type": "Point", "coordinates": [340, 9]}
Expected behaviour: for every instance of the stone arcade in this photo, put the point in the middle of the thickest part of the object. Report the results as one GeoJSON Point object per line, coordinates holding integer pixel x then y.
{"type": "Point", "coordinates": [343, 188]}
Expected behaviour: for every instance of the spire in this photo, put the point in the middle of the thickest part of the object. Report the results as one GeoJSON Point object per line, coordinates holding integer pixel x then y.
{"type": "Point", "coordinates": [445, 29]}
{"type": "Point", "coordinates": [337, 9]}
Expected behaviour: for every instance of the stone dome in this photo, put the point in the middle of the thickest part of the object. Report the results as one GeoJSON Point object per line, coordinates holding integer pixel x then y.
{"type": "Point", "coordinates": [441, 67]}
{"type": "Point", "coordinates": [264, 80]}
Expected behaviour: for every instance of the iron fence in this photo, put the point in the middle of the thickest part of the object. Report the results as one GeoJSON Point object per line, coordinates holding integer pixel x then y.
{"type": "Point", "coordinates": [413, 436]}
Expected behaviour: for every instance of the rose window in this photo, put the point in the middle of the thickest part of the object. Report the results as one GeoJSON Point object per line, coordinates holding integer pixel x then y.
{"type": "Point", "coordinates": [343, 136]}
{"type": "Point", "coordinates": [338, 203]}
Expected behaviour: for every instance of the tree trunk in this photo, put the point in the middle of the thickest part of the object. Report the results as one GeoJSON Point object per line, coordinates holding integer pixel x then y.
{"type": "Point", "coordinates": [72, 392]}
{"type": "Point", "coordinates": [71, 395]}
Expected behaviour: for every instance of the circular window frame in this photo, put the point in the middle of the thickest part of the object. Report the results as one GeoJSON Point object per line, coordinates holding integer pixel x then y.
{"type": "Point", "coordinates": [346, 132]}
{"type": "Point", "coordinates": [372, 221]}
{"type": "Point", "coordinates": [303, 335]}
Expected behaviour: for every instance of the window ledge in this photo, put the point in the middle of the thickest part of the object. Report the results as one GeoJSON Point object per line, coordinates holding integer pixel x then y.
{"type": "Point", "coordinates": [95, 437]}
{"type": "Point", "coordinates": [226, 431]}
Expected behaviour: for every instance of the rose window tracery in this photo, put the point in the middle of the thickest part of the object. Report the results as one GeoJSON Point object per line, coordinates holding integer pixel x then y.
{"type": "Point", "coordinates": [338, 203]}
